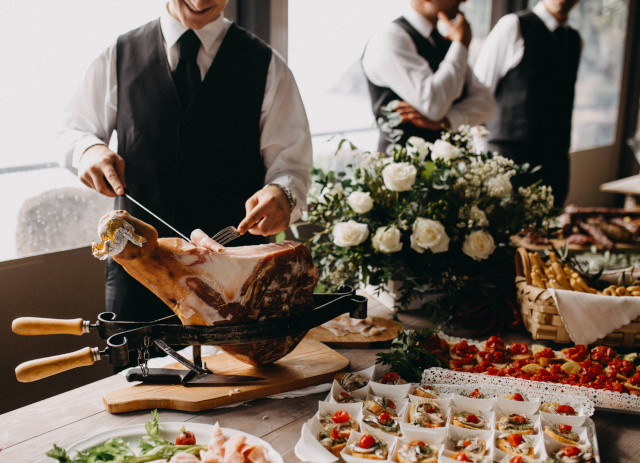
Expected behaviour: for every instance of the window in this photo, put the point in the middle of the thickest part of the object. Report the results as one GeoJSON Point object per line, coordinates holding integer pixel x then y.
{"type": "Point", "coordinates": [47, 47]}
{"type": "Point", "coordinates": [325, 42]}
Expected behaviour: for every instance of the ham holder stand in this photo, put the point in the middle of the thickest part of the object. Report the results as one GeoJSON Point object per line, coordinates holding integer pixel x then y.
{"type": "Point", "coordinates": [124, 338]}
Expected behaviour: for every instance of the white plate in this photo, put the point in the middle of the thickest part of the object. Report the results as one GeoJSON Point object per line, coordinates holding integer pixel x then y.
{"type": "Point", "coordinates": [170, 431]}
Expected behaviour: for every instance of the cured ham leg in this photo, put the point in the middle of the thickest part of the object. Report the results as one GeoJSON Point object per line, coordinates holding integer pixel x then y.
{"type": "Point", "coordinates": [239, 285]}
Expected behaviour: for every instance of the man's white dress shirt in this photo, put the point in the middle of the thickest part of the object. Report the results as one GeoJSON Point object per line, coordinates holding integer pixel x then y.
{"type": "Point", "coordinates": [391, 60]}
{"type": "Point", "coordinates": [504, 47]}
{"type": "Point", "coordinates": [285, 141]}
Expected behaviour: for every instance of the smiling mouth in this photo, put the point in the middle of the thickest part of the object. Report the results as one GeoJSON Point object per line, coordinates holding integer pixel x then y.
{"type": "Point", "coordinates": [194, 11]}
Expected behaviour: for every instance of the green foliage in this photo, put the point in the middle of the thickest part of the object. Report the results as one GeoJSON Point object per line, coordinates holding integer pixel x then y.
{"type": "Point", "coordinates": [409, 355]}
{"type": "Point", "coordinates": [464, 189]}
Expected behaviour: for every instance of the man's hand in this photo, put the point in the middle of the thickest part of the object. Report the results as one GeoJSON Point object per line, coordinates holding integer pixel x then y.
{"type": "Point", "coordinates": [103, 170]}
{"type": "Point", "coordinates": [267, 213]}
{"type": "Point", "coordinates": [203, 240]}
{"type": "Point", "coordinates": [459, 31]}
{"type": "Point", "coordinates": [412, 116]}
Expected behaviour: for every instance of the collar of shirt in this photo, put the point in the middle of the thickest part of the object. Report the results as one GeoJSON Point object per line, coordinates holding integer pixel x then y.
{"type": "Point", "coordinates": [210, 36]}
{"type": "Point", "coordinates": [418, 21]}
{"type": "Point", "coordinates": [546, 17]}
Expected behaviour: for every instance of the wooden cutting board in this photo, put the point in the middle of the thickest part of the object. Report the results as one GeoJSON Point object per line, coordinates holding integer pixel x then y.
{"type": "Point", "coordinates": [358, 341]}
{"type": "Point", "coordinates": [309, 364]}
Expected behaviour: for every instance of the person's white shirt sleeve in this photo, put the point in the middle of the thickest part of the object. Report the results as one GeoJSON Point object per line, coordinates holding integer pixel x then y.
{"type": "Point", "coordinates": [502, 51]}
{"type": "Point", "coordinates": [391, 60]}
{"type": "Point", "coordinates": [285, 140]}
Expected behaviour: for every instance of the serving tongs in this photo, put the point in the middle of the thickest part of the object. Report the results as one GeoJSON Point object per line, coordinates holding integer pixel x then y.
{"type": "Point", "coordinates": [124, 337]}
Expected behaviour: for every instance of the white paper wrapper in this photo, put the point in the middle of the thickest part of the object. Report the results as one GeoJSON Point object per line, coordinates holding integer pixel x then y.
{"type": "Point", "coordinates": [468, 403]}
{"type": "Point", "coordinates": [308, 448]}
{"type": "Point", "coordinates": [337, 390]}
{"type": "Point", "coordinates": [535, 439]}
{"type": "Point", "coordinates": [355, 437]}
{"type": "Point", "coordinates": [527, 407]}
{"type": "Point", "coordinates": [393, 391]}
{"type": "Point", "coordinates": [444, 403]}
{"type": "Point", "coordinates": [367, 428]}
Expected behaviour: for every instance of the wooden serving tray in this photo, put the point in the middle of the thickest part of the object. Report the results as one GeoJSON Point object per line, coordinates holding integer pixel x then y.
{"type": "Point", "coordinates": [309, 364]}
{"type": "Point", "coordinates": [358, 341]}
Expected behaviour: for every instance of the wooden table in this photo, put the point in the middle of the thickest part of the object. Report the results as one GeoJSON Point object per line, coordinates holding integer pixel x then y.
{"type": "Point", "coordinates": [28, 432]}
{"type": "Point", "coordinates": [629, 187]}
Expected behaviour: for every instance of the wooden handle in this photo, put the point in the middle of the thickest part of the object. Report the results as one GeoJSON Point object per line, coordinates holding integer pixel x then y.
{"type": "Point", "coordinates": [30, 326]}
{"type": "Point", "coordinates": [34, 370]}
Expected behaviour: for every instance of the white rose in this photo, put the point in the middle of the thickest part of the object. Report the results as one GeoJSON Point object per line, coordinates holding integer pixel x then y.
{"type": "Point", "coordinates": [499, 186]}
{"type": "Point", "coordinates": [478, 245]}
{"type": "Point", "coordinates": [429, 234]}
{"type": "Point", "coordinates": [350, 233]}
{"type": "Point", "coordinates": [387, 239]}
{"type": "Point", "coordinates": [399, 176]}
{"type": "Point", "coordinates": [417, 146]}
{"type": "Point", "coordinates": [444, 150]}
{"type": "Point", "coordinates": [360, 202]}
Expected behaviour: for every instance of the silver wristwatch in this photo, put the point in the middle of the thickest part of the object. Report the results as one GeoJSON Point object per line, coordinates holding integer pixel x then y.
{"type": "Point", "coordinates": [291, 198]}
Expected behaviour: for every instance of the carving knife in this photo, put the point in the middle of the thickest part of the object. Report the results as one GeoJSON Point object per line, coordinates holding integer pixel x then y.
{"type": "Point", "coordinates": [155, 216]}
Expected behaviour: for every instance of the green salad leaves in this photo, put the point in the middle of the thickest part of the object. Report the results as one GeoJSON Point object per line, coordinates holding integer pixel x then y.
{"type": "Point", "coordinates": [152, 447]}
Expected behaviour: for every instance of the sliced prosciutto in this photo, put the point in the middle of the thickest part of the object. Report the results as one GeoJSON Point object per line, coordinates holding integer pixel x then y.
{"type": "Point", "coordinates": [203, 287]}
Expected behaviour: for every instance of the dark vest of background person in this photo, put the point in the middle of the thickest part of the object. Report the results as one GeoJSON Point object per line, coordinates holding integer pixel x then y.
{"type": "Point", "coordinates": [534, 104]}
{"type": "Point", "coordinates": [380, 96]}
{"type": "Point", "coordinates": [195, 166]}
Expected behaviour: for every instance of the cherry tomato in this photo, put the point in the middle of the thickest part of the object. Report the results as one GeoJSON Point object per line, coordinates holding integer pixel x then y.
{"type": "Point", "coordinates": [367, 441]}
{"type": "Point", "coordinates": [417, 443]}
{"type": "Point", "coordinates": [461, 456]}
{"type": "Point", "coordinates": [565, 410]}
{"type": "Point", "coordinates": [571, 451]}
{"type": "Point", "coordinates": [340, 417]}
{"type": "Point", "coordinates": [516, 459]}
{"type": "Point", "coordinates": [384, 418]}
{"type": "Point", "coordinates": [335, 435]}
{"type": "Point", "coordinates": [390, 377]}
{"type": "Point", "coordinates": [473, 418]}
{"type": "Point", "coordinates": [515, 439]}
{"type": "Point", "coordinates": [391, 404]}
{"type": "Point", "coordinates": [519, 419]}
{"type": "Point", "coordinates": [185, 438]}
{"type": "Point", "coordinates": [518, 397]}
{"type": "Point", "coordinates": [466, 443]}
{"type": "Point", "coordinates": [475, 394]}
{"type": "Point", "coordinates": [565, 428]}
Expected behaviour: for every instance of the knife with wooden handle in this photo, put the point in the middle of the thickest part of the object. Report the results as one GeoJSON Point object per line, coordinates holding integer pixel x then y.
{"type": "Point", "coordinates": [33, 326]}
{"type": "Point", "coordinates": [34, 370]}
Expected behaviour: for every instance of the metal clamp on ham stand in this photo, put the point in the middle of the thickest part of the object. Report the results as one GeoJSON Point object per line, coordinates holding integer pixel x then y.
{"type": "Point", "coordinates": [124, 337]}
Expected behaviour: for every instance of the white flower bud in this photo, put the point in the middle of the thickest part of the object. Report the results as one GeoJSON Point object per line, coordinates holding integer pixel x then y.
{"type": "Point", "coordinates": [441, 149]}
{"type": "Point", "coordinates": [350, 233]}
{"type": "Point", "coordinates": [499, 186]}
{"type": "Point", "coordinates": [387, 239]}
{"type": "Point", "coordinates": [360, 202]}
{"type": "Point", "coordinates": [478, 245]}
{"type": "Point", "coordinates": [399, 176]}
{"type": "Point", "coordinates": [429, 234]}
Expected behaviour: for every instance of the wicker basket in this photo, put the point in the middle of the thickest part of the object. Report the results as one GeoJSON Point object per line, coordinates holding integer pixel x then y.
{"type": "Point", "coordinates": [541, 318]}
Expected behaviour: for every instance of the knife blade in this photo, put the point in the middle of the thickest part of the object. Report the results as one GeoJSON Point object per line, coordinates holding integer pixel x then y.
{"type": "Point", "coordinates": [188, 377]}
{"type": "Point", "coordinates": [202, 376]}
{"type": "Point", "coordinates": [155, 216]}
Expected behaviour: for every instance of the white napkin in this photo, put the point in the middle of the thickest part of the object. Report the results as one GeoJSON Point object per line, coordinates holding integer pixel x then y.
{"type": "Point", "coordinates": [589, 317]}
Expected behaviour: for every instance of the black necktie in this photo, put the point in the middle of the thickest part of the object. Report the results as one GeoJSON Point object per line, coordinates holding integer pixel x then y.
{"type": "Point", "coordinates": [186, 75]}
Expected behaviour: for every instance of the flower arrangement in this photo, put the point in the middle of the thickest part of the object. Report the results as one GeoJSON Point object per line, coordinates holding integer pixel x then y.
{"type": "Point", "coordinates": [435, 217]}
